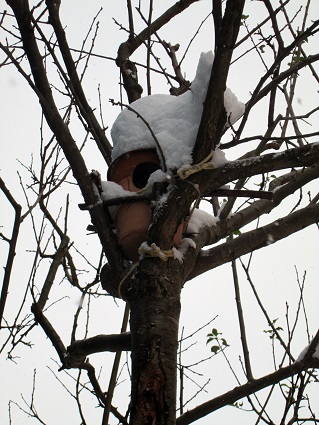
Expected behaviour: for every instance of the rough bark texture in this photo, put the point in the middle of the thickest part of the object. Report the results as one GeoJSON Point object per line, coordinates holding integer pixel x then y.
{"type": "Point", "coordinates": [154, 299]}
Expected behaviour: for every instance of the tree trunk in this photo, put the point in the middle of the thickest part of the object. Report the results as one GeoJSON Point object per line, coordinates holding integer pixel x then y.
{"type": "Point", "coordinates": [154, 299]}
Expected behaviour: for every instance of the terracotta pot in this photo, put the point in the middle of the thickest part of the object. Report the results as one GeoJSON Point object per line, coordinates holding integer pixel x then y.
{"type": "Point", "coordinates": [132, 221]}
{"type": "Point", "coordinates": [133, 169]}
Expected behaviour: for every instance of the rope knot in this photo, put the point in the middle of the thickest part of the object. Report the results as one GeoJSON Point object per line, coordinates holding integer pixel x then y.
{"type": "Point", "coordinates": [155, 251]}
{"type": "Point", "coordinates": [203, 165]}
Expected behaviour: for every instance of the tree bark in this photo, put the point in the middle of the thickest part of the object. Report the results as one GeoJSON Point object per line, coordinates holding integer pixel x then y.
{"type": "Point", "coordinates": [154, 299]}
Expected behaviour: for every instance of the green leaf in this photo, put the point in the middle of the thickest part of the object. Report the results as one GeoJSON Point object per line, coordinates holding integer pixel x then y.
{"type": "Point", "coordinates": [224, 342]}
{"type": "Point", "coordinates": [214, 349]}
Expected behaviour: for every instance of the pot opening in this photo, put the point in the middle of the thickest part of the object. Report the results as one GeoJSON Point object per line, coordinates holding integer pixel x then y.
{"type": "Point", "coordinates": [142, 173]}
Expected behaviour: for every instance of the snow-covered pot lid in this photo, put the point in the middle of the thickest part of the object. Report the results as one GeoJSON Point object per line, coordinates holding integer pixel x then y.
{"type": "Point", "coordinates": [173, 120]}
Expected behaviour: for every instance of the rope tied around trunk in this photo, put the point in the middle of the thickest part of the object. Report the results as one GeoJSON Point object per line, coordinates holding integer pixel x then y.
{"type": "Point", "coordinates": [155, 251]}
{"type": "Point", "coordinates": [146, 251]}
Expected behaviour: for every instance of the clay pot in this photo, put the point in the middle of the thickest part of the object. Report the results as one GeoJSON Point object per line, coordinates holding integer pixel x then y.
{"type": "Point", "coordinates": [132, 221]}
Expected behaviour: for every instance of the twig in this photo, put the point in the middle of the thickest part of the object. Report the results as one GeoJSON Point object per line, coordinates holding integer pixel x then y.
{"type": "Point", "coordinates": [148, 58]}
{"type": "Point", "coordinates": [57, 261]}
{"type": "Point", "coordinates": [278, 139]}
{"type": "Point", "coordinates": [130, 19]}
{"type": "Point", "coordinates": [241, 320]}
{"type": "Point", "coordinates": [261, 194]}
{"type": "Point", "coordinates": [193, 38]}
{"type": "Point", "coordinates": [183, 84]}
{"type": "Point", "coordinates": [243, 193]}
{"type": "Point", "coordinates": [269, 321]}
{"type": "Point", "coordinates": [114, 373]}
{"type": "Point", "coordinates": [87, 112]}
{"type": "Point", "coordinates": [12, 247]}
{"type": "Point", "coordinates": [247, 389]}
{"type": "Point", "coordinates": [51, 334]}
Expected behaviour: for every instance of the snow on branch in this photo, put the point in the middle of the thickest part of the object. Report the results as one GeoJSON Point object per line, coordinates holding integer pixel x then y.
{"type": "Point", "coordinates": [255, 239]}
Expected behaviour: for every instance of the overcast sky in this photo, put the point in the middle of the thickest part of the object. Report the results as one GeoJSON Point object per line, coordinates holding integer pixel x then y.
{"type": "Point", "coordinates": [273, 269]}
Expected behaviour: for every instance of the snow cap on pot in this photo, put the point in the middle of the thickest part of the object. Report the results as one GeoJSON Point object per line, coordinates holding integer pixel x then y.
{"type": "Point", "coordinates": [173, 120]}
{"type": "Point", "coordinates": [158, 132]}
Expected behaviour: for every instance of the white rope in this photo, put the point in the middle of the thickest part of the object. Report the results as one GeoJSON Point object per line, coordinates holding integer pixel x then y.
{"type": "Point", "coordinates": [203, 165]}
{"type": "Point", "coordinates": [155, 251]}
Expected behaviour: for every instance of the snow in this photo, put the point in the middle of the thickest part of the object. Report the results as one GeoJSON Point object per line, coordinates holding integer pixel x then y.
{"type": "Point", "coordinates": [156, 177]}
{"type": "Point", "coordinates": [219, 158]}
{"type": "Point", "coordinates": [182, 248]}
{"type": "Point", "coordinates": [111, 190]}
{"type": "Point", "coordinates": [234, 108]}
{"type": "Point", "coordinates": [174, 121]}
{"type": "Point", "coordinates": [200, 219]}
{"type": "Point", "coordinates": [270, 239]}
{"type": "Point", "coordinates": [304, 352]}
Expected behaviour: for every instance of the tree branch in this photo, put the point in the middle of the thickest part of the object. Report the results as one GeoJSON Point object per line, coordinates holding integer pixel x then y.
{"type": "Point", "coordinates": [98, 391]}
{"type": "Point", "coordinates": [113, 378]}
{"type": "Point", "coordinates": [201, 184]}
{"type": "Point", "coordinates": [72, 153]}
{"type": "Point", "coordinates": [12, 246]}
{"type": "Point", "coordinates": [51, 333]}
{"type": "Point", "coordinates": [57, 261]}
{"type": "Point", "coordinates": [74, 82]}
{"type": "Point", "coordinates": [101, 343]}
{"type": "Point", "coordinates": [208, 180]}
{"type": "Point", "coordinates": [255, 239]}
{"type": "Point", "coordinates": [282, 187]}
{"type": "Point", "coordinates": [259, 93]}
{"type": "Point", "coordinates": [245, 390]}
{"type": "Point", "coordinates": [282, 76]}
{"type": "Point", "coordinates": [214, 117]}
{"type": "Point", "coordinates": [126, 49]}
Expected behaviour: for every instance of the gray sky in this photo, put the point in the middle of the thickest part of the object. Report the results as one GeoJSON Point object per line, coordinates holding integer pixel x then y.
{"type": "Point", "coordinates": [273, 268]}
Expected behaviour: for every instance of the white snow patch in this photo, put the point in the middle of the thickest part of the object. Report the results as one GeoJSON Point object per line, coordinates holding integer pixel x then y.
{"type": "Point", "coordinates": [111, 190]}
{"type": "Point", "coordinates": [270, 239]}
{"type": "Point", "coordinates": [234, 108]}
{"type": "Point", "coordinates": [219, 158]}
{"type": "Point", "coordinates": [174, 121]}
{"type": "Point", "coordinates": [178, 255]}
{"type": "Point", "coordinates": [222, 206]}
{"type": "Point", "coordinates": [183, 246]}
{"type": "Point", "coordinates": [200, 219]}
{"type": "Point", "coordinates": [304, 351]}
{"type": "Point", "coordinates": [157, 176]}
{"type": "Point", "coordinates": [302, 354]}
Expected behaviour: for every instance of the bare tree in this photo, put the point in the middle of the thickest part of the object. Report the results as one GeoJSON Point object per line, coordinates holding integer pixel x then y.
{"type": "Point", "coordinates": [281, 159]}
